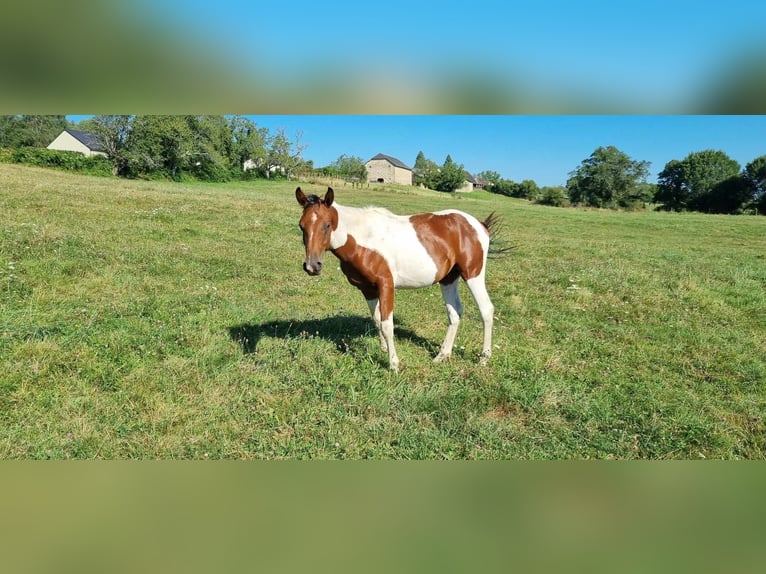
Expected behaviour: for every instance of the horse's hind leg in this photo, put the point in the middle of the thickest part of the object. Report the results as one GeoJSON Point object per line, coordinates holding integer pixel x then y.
{"type": "Point", "coordinates": [454, 311]}
{"type": "Point", "coordinates": [479, 291]}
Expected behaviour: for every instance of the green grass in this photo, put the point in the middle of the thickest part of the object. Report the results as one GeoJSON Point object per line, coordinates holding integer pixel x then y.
{"type": "Point", "coordinates": [157, 320]}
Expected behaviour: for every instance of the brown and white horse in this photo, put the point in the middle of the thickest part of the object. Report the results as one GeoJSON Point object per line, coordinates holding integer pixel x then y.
{"type": "Point", "coordinates": [380, 251]}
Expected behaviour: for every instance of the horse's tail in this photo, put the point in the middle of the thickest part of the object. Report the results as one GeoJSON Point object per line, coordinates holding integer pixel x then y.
{"type": "Point", "coordinates": [494, 226]}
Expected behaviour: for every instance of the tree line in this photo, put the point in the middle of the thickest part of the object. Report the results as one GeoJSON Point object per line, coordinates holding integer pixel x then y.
{"type": "Point", "coordinates": [204, 147]}
{"type": "Point", "coordinates": [30, 131]}
{"type": "Point", "coordinates": [708, 181]}
{"type": "Point", "coordinates": [222, 148]}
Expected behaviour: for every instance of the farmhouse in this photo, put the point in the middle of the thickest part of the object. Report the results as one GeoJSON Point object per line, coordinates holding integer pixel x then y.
{"type": "Point", "coordinates": [472, 183]}
{"type": "Point", "coordinates": [481, 183]}
{"type": "Point", "coordinates": [73, 140]}
{"type": "Point", "coordinates": [386, 169]}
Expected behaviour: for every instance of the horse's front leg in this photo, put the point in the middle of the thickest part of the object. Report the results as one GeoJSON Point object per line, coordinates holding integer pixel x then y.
{"type": "Point", "coordinates": [386, 307]}
{"type": "Point", "coordinates": [374, 305]}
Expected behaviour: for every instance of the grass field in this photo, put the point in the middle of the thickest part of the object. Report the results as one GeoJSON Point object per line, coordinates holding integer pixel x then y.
{"type": "Point", "coordinates": [158, 320]}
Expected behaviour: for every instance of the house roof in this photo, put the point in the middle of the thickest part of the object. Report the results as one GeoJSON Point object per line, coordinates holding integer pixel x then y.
{"type": "Point", "coordinates": [469, 177]}
{"type": "Point", "coordinates": [391, 160]}
{"type": "Point", "coordinates": [90, 140]}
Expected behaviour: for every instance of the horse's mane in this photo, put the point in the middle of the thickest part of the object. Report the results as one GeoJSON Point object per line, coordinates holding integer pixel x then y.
{"type": "Point", "coordinates": [370, 210]}
{"type": "Point", "coordinates": [379, 210]}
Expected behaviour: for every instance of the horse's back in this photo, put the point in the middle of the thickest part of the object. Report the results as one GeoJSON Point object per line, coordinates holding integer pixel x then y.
{"type": "Point", "coordinates": [481, 230]}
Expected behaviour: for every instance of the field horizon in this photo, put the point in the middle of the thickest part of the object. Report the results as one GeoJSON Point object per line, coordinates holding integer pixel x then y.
{"type": "Point", "coordinates": [156, 320]}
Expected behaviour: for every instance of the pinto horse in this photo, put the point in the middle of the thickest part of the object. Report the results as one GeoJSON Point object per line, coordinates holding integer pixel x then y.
{"type": "Point", "coordinates": [380, 251]}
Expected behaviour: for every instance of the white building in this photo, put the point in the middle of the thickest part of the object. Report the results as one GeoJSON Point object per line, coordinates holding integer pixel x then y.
{"type": "Point", "coordinates": [72, 140]}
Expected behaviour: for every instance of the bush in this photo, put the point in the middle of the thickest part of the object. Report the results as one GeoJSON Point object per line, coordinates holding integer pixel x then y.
{"type": "Point", "coordinates": [555, 196]}
{"type": "Point", "coordinates": [66, 160]}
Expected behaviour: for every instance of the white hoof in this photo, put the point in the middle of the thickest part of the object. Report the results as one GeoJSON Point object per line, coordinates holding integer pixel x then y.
{"type": "Point", "coordinates": [441, 357]}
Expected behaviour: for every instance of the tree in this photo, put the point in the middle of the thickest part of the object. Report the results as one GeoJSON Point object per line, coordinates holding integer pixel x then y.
{"type": "Point", "coordinates": [728, 196]}
{"type": "Point", "coordinates": [754, 176]}
{"type": "Point", "coordinates": [553, 195]}
{"type": "Point", "coordinates": [528, 189]}
{"type": "Point", "coordinates": [283, 156]}
{"type": "Point", "coordinates": [505, 187]}
{"type": "Point", "coordinates": [9, 130]}
{"type": "Point", "coordinates": [30, 130]}
{"type": "Point", "coordinates": [349, 167]}
{"type": "Point", "coordinates": [451, 176]}
{"type": "Point", "coordinates": [491, 176]}
{"type": "Point", "coordinates": [608, 178]}
{"type": "Point", "coordinates": [672, 191]}
{"type": "Point", "coordinates": [424, 172]}
{"type": "Point", "coordinates": [39, 131]}
{"type": "Point", "coordinates": [248, 142]}
{"type": "Point", "coordinates": [112, 132]}
{"type": "Point", "coordinates": [209, 157]}
{"type": "Point", "coordinates": [646, 192]}
{"type": "Point", "coordinates": [689, 183]}
{"type": "Point", "coordinates": [160, 145]}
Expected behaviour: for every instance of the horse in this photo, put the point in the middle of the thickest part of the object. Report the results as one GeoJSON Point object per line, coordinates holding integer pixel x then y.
{"type": "Point", "coordinates": [380, 252]}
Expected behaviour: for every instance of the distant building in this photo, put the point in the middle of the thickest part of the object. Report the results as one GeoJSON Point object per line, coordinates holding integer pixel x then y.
{"type": "Point", "coordinates": [73, 140]}
{"type": "Point", "coordinates": [472, 183]}
{"type": "Point", "coordinates": [468, 184]}
{"type": "Point", "coordinates": [481, 183]}
{"type": "Point", "coordinates": [386, 169]}
{"type": "Point", "coordinates": [252, 164]}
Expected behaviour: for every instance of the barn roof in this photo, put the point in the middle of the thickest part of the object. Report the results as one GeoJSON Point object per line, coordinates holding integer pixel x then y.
{"type": "Point", "coordinates": [90, 140]}
{"type": "Point", "coordinates": [391, 160]}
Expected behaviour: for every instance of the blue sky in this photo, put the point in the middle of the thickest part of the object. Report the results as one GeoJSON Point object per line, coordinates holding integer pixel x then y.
{"type": "Point", "coordinates": [542, 148]}
{"type": "Point", "coordinates": [652, 55]}
{"type": "Point", "coordinates": [394, 57]}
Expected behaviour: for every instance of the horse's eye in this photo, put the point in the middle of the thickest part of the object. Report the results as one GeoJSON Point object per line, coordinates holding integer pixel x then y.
{"type": "Point", "coordinates": [326, 226]}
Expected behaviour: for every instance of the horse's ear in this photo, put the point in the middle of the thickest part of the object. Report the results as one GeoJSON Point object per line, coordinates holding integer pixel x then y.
{"type": "Point", "coordinates": [301, 197]}
{"type": "Point", "coordinates": [329, 197]}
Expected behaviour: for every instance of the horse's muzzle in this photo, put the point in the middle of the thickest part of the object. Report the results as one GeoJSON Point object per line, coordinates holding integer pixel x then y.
{"type": "Point", "coordinates": [312, 268]}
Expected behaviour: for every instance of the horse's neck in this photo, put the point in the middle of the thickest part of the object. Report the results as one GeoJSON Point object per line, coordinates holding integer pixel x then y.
{"type": "Point", "coordinates": [349, 222]}
{"type": "Point", "coordinates": [359, 222]}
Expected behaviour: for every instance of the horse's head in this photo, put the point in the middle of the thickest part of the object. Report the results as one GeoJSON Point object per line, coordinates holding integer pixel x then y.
{"type": "Point", "coordinates": [317, 223]}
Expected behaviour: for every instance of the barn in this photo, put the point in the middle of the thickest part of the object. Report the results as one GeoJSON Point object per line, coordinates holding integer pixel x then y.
{"type": "Point", "coordinates": [386, 169]}
{"type": "Point", "coordinates": [73, 140]}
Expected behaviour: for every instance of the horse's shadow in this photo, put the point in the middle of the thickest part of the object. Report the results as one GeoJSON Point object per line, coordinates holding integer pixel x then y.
{"type": "Point", "coordinates": [346, 332]}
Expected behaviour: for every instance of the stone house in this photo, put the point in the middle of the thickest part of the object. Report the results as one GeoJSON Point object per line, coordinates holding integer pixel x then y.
{"type": "Point", "coordinates": [386, 169]}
